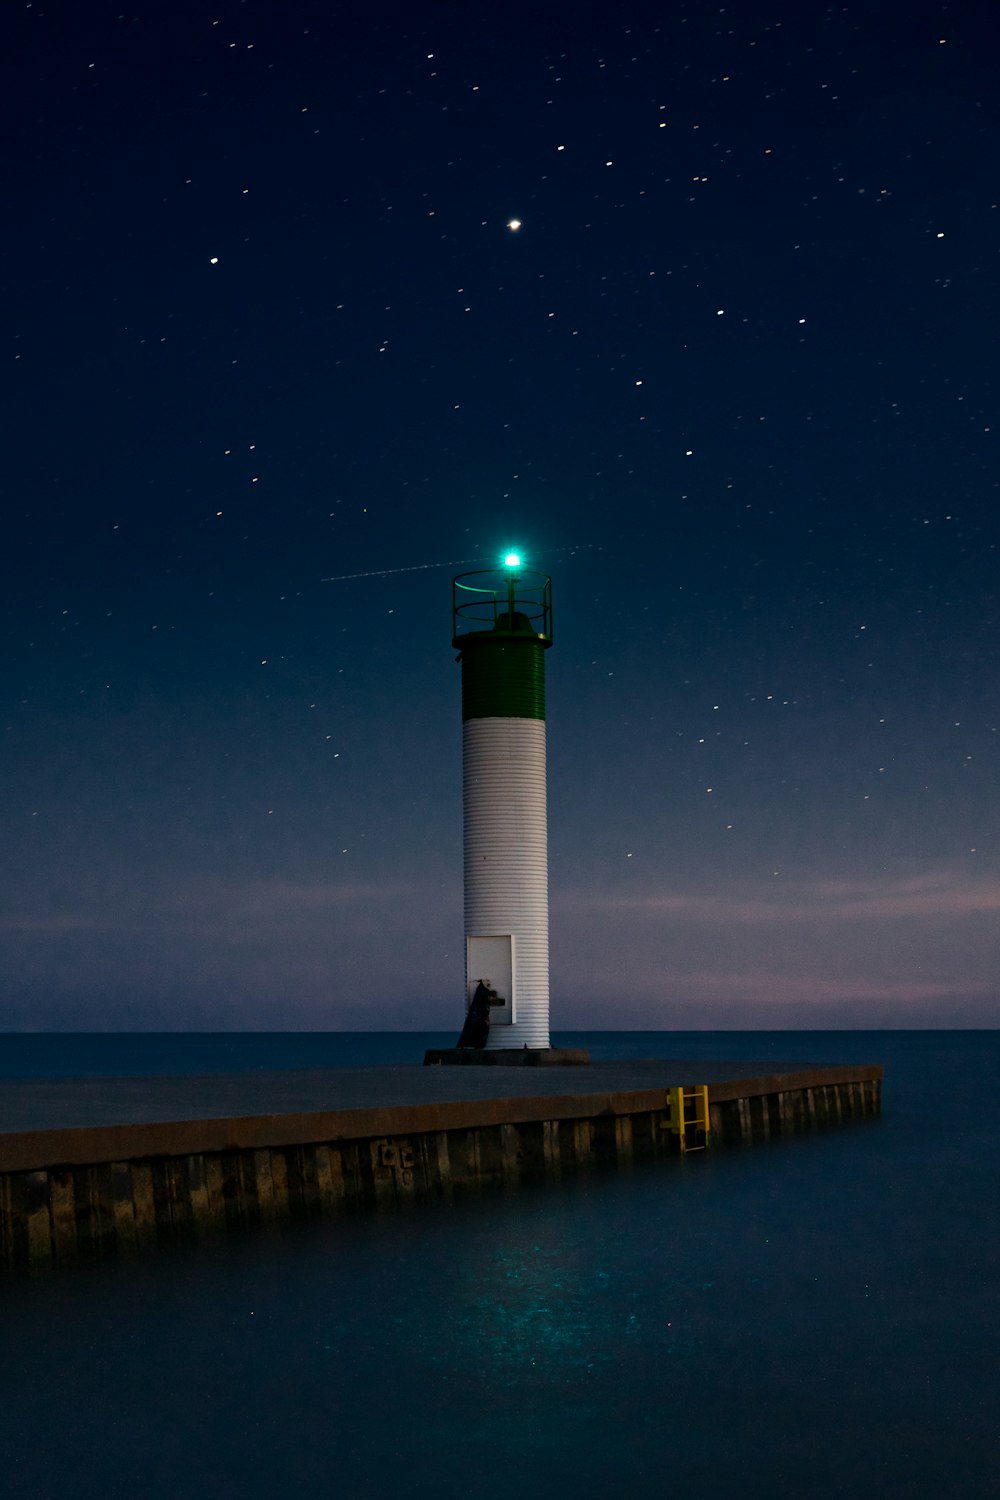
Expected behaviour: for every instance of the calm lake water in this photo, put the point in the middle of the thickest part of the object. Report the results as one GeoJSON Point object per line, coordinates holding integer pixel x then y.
{"type": "Point", "coordinates": [815, 1317]}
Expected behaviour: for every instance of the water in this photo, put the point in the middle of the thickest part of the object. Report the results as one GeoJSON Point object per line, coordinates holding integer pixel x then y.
{"type": "Point", "coordinates": [816, 1316]}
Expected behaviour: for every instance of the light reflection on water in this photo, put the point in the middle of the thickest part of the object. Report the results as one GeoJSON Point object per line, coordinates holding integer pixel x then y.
{"type": "Point", "coordinates": [814, 1315]}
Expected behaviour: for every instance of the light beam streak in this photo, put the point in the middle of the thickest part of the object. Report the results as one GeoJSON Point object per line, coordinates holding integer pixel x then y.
{"type": "Point", "coordinates": [413, 568]}
{"type": "Point", "coordinates": [457, 562]}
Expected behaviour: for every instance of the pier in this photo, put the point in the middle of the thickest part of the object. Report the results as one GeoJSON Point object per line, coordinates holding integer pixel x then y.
{"type": "Point", "coordinates": [95, 1168]}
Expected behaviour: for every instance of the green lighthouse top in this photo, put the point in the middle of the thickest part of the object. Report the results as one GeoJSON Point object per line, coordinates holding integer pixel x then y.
{"type": "Point", "coordinates": [510, 602]}
{"type": "Point", "coordinates": [502, 625]}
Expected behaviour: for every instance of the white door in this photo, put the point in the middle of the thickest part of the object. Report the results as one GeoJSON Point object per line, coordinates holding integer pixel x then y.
{"type": "Point", "coordinates": [491, 959]}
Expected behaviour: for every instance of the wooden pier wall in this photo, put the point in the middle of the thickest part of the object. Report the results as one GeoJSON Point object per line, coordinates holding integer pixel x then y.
{"type": "Point", "coordinates": [70, 1210]}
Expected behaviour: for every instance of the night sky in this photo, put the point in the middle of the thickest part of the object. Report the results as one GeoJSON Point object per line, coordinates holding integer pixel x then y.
{"type": "Point", "coordinates": [733, 382]}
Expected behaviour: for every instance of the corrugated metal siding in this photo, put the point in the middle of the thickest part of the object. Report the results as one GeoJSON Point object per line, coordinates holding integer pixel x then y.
{"type": "Point", "coordinates": [506, 860]}
{"type": "Point", "coordinates": [503, 677]}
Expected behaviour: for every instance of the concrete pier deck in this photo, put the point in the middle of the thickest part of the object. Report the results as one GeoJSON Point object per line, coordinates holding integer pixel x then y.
{"type": "Point", "coordinates": [90, 1167]}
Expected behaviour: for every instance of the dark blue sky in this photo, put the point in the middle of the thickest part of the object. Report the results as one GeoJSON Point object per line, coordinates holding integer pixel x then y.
{"type": "Point", "coordinates": [732, 382]}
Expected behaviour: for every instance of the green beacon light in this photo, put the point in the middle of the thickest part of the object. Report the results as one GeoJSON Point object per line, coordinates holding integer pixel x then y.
{"type": "Point", "coordinates": [512, 560]}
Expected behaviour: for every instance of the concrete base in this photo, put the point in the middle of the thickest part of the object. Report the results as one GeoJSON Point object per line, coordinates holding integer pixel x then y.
{"type": "Point", "coordinates": [510, 1057]}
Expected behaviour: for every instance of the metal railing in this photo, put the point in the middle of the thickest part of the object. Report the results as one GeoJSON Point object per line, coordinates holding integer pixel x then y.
{"type": "Point", "coordinates": [498, 599]}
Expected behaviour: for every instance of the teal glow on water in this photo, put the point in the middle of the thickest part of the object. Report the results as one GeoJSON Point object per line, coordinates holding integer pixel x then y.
{"type": "Point", "coordinates": [816, 1316]}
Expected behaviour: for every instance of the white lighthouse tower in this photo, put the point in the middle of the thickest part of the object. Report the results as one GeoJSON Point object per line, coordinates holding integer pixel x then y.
{"type": "Point", "coordinates": [501, 629]}
{"type": "Point", "coordinates": [502, 624]}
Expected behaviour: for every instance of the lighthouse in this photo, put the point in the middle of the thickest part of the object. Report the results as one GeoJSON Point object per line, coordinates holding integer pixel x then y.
{"type": "Point", "coordinates": [502, 629]}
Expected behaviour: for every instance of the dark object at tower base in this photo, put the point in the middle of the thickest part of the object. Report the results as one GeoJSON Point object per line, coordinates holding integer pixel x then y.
{"type": "Point", "coordinates": [477, 1022]}
{"type": "Point", "coordinates": [511, 1057]}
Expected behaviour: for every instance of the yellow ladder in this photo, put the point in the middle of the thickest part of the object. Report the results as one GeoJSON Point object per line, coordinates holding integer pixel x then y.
{"type": "Point", "coordinates": [689, 1116]}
